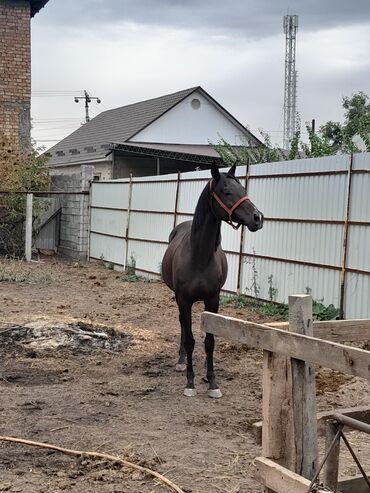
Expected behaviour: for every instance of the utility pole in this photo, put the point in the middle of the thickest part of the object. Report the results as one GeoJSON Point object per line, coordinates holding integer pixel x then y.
{"type": "Point", "coordinates": [290, 89]}
{"type": "Point", "coordinates": [87, 99]}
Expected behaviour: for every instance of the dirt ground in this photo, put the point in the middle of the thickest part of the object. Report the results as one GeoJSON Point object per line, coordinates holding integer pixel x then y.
{"type": "Point", "coordinates": [129, 402]}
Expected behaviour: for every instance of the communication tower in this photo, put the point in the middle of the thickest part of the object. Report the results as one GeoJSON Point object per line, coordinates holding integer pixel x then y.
{"type": "Point", "coordinates": [290, 87]}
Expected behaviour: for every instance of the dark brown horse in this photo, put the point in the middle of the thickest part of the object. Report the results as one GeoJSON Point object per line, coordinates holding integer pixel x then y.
{"type": "Point", "coordinates": [195, 267]}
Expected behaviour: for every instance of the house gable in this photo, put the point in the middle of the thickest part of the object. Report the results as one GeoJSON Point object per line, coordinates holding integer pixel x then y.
{"type": "Point", "coordinates": [197, 119]}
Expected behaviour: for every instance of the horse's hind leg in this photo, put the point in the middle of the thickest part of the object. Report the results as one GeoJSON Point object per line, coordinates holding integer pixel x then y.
{"type": "Point", "coordinates": [188, 340]}
{"type": "Point", "coordinates": [209, 345]}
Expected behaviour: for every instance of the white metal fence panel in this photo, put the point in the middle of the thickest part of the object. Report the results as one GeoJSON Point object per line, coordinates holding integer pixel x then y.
{"type": "Point", "coordinates": [110, 194]}
{"type": "Point", "coordinates": [153, 226]}
{"type": "Point", "coordinates": [155, 196]}
{"type": "Point", "coordinates": [108, 221]}
{"type": "Point", "coordinates": [276, 280]}
{"type": "Point", "coordinates": [146, 256]}
{"type": "Point", "coordinates": [357, 277]}
{"type": "Point", "coordinates": [356, 300]}
{"type": "Point", "coordinates": [108, 249]}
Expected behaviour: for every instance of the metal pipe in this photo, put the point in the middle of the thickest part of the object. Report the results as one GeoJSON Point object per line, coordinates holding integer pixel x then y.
{"type": "Point", "coordinates": [352, 423]}
{"type": "Point", "coordinates": [177, 198]}
{"type": "Point", "coordinates": [356, 460]}
{"type": "Point", "coordinates": [128, 220]}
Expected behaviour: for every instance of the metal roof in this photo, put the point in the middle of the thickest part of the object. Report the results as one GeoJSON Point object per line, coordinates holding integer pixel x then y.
{"type": "Point", "coordinates": [91, 141]}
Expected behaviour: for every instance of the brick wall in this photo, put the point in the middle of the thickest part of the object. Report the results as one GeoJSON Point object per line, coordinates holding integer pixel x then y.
{"type": "Point", "coordinates": [74, 225]}
{"type": "Point", "coordinates": [15, 71]}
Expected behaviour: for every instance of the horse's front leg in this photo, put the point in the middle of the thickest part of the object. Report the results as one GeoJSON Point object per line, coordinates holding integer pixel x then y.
{"type": "Point", "coordinates": [211, 305]}
{"type": "Point", "coordinates": [188, 341]}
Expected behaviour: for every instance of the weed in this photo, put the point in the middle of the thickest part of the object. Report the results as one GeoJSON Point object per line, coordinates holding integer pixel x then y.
{"type": "Point", "coordinates": [18, 271]}
{"type": "Point", "coordinates": [272, 290]}
{"type": "Point", "coordinates": [322, 312]}
{"type": "Point", "coordinates": [255, 287]}
{"type": "Point", "coordinates": [131, 267]}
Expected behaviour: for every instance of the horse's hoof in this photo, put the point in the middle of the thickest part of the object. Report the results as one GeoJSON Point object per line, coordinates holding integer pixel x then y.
{"type": "Point", "coordinates": [190, 392]}
{"type": "Point", "coordinates": [180, 367]}
{"type": "Point", "coordinates": [214, 393]}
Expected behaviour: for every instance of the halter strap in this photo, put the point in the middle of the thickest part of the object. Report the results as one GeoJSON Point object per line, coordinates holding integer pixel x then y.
{"type": "Point", "coordinates": [225, 208]}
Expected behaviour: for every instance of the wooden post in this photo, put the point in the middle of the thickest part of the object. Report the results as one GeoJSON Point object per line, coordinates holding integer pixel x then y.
{"type": "Point", "coordinates": [332, 463]}
{"type": "Point", "coordinates": [303, 449]}
{"type": "Point", "coordinates": [28, 240]}
{"type": "Point", "coordinates": [275, 407]}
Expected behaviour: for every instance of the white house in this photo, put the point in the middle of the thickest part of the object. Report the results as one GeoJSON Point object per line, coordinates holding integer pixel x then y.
{"type": "Point", "coordinates": [158, 136]}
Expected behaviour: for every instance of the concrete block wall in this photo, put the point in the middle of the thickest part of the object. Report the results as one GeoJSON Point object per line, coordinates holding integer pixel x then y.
{"type": "Point", "coordinates": [75, 218]}
{"type": "Point", "coordinates": [15, 72]}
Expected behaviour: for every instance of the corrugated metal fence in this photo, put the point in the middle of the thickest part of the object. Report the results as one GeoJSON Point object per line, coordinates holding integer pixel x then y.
{"type": "Point", "coordinates": [315, 239]}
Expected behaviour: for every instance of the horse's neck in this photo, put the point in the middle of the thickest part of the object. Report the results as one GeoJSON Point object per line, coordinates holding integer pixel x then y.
{"type": "Point", "coordinates": [205, 232]}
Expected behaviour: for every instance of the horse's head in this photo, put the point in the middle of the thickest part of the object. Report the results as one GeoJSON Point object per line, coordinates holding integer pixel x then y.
{"type": "Point", "coordinates": [229, 202]}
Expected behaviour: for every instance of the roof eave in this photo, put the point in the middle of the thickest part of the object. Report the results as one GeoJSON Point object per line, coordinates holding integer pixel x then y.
{"type": "Point", "coordinates": [37, 5]}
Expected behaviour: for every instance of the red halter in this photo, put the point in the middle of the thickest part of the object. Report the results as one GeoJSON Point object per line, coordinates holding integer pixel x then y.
{"type": "Point", "coordinates": [225, 208]}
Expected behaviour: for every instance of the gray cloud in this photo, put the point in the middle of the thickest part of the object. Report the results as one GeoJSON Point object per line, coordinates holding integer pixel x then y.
{"type": "Point", "coordinates": [246, 18]}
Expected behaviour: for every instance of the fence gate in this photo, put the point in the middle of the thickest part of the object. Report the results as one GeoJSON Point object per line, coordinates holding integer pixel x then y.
{"type": "Point", "coordinates": [46, 230]}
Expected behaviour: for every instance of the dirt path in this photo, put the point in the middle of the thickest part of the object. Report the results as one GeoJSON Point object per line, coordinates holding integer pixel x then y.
{"type": "Point", "coordinates": [130, 402]}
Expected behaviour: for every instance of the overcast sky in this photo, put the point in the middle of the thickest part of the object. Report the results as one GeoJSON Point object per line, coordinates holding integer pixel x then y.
{"type": "Point", "coordinates": [125, 51]}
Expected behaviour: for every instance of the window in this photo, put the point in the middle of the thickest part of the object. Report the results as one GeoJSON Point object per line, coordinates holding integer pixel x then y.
{"type": "Point", "coordinates": [195, 104]}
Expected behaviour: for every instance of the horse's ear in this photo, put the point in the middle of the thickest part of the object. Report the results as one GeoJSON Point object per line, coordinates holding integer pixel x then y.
{"type": "Point", "coordinates": [231, 171]}
{"type": "Point", "coordinates": [215, 171]}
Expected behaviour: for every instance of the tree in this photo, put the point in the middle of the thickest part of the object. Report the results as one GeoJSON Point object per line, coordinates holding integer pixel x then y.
{"type": "Point", "coordinates": [248, 152]}
{"type": "Point", "coordinates": [346, 137]}
{"type": "Point", "coordinates": [20, 172]}
{"type": "Point", "coordinates": [332, 138]}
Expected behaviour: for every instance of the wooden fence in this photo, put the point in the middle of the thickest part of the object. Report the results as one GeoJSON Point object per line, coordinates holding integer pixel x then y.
{"type": "Point", "coordinates": [289, 428]}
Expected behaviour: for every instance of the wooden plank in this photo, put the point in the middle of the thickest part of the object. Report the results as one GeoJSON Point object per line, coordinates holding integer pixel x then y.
{"type": "Point", "coordinates": [278, 478]}
{"type": "Point", "coordinates": [353, 485]}
{"type": "Point", "coordinates": [303, 450]}
{"type": "Point", "coordinates": [335, 330]}
{"type": "Point", "coordinates": [276, 410]}
{"type": "Point", "coordinates": [329, 354]}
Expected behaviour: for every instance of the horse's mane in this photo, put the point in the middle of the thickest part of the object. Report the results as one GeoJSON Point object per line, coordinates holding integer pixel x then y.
{"type": "Point", "coordinates": [202, 210]}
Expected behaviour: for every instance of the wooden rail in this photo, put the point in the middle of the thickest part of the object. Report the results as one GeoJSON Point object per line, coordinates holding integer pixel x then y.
{"type": "Point", "coordinates": [336, 356]}
{"type": "Point", "coordinates": [280, 479]}
{"type": "Point", "coordinates": [336, 330]}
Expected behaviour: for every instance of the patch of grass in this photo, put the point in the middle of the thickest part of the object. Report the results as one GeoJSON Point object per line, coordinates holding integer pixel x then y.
{"type": "Point", "coordinates": [277, 310]}
{"type": "Point", "coordinates": [20, 272]}
{"type": "Point", "coordinates": [136, 278]}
